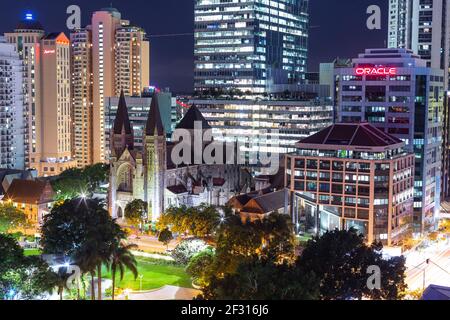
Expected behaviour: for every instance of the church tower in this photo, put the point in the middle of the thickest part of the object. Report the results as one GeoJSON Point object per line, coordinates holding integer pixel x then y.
{"type": "Point", "coordinates": [121, 162]}
{"type": "Point", "coordinates": [122, 133]}
{"type": "Point", "coordinates": [155, 159]}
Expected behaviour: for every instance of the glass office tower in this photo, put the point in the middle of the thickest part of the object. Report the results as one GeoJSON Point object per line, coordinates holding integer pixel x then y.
{"type": "Point", "coordinates": [249, 45]}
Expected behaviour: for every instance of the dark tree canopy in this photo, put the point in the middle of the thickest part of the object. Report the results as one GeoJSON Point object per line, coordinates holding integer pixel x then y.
{"type": "Point", "coordinates": [341, 259]}
{"type": "Point", "coordinates": [75, 182]}
{"type": "Point", "coordinates": [22, 277]}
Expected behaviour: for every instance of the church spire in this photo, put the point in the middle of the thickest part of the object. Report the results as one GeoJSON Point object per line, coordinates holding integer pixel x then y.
{"type": "Point", "coordinates": [154, 123]}
{"type": "Point", "coordinates": [122, 132]}
{"type": "Point", "coordinates": [122, 121]}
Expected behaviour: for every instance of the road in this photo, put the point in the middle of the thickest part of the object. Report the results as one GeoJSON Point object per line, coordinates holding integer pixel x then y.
{"type": "Point", "coordinates": [421, 274]}
{"type": "Point", "coordinates": [151, 244]}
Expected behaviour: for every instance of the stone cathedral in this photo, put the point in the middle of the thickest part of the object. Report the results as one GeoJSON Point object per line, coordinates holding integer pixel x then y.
{"type": "Point", "coordinates": [149, 174]}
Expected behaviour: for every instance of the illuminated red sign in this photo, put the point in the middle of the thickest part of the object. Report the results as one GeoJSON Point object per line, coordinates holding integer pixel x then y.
{"type": "Point", "coordinates": [49, 51]}
{"type": "Point", "coordinates": [376, 71]}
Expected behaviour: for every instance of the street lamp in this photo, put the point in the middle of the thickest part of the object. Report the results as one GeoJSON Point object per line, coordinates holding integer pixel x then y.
{"type": "Point", "coordinates": [140, 281]}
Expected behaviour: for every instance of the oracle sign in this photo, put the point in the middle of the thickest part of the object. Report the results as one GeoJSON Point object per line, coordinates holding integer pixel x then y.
{"type": "Point", "coordinates": [376, 71]}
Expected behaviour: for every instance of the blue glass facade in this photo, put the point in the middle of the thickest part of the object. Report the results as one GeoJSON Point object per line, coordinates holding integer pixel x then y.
{"type": "Point", "coordinates": [248, 45]}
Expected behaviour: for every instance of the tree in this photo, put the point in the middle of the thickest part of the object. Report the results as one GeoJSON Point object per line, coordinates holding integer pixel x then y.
{"type": "Point", "coordinates": [341, 259]}
{"type": "Point", "coordinates": [259, 278]}
{"type": "Point", "coordinates": [237, 240]}
{"type": "Point", "coordinates": [22, 277]}
{"type": "Point", "coordinates": [252, 260]}
{"type": "Point", "coordinates": [135, 213]}
{"type": "Point", "coordinates": [11, 218]}
{"type": "Point", "coordinates": [199, 222]}
{"type": "Point", "coordinates": [186, 249]}
{"type": "Point", "coordinates": [200, 266]}
{"type": "Point", "coordinates": [83, 230]}
{"type": "Point", "coordinates": [121, 259]}
{"type": "Point", "coordinates": [165, 236]}
{"type": "Point", "coordinates": [75, 182]}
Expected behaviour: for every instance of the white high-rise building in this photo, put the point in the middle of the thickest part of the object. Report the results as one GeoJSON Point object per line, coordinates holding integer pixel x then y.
{"type": "Point", "coordinates": [12, 106]}
{"type": "Point", "coordinates": [423, 26]}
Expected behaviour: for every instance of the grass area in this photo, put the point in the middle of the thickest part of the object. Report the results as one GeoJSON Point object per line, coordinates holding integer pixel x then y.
{"type": "Point", "coordinates": [32, 252]}
{"type": "Point", "coordinates": [157, 273]}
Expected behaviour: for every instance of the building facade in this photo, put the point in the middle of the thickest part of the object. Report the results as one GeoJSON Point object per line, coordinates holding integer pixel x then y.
{"type": "Point", "coordinates": [26, 38]}
{"type": "Point", "coordinates": [352, 176]}
{"type": "Point", "coordinates": [82, 96]}
{"type": "Point", "coordinates": [265, 125]}
{"type": "Point", "coordinates": [150, 174]}
{"type": "Point", "coordinates": [138, 109]}
{"type": "Point", "coordinates": [12, 108]}
{"type": "Point", "coordinates": [55, 155]}
{"type": "Point", "coordinates": [424, 27]}
{"type": "Point", "coordinates": [247, 45]}
{"type": "Point", "coordinates": [116, 57]}
{"type": "Point", "coordinates": [132, 58]}
{"type": "Point", "coordinates": [397, 92]}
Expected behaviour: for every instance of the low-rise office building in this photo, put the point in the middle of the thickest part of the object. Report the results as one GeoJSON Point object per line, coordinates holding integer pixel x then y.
{"type": "Point", "coordinates": [352, 176]}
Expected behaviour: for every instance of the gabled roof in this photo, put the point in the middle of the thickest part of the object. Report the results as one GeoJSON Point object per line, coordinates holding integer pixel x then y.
{"type": "Point", "coordinates": [191, 117]}
{"type": "Point", "coordinates": [266, 203]}
{"type": "Point", "coordinates": [122, 120]}
{"type": "Point", "coordinates": [56, 36]}
{"type": "Point", "coordinates": [352, 134]}
{"type": "Point", "coordinates": [26, 191]}
{"type": "Point", "coordinates": [154, 122]}
{"type": "Point", "coordinates": [434, 292]}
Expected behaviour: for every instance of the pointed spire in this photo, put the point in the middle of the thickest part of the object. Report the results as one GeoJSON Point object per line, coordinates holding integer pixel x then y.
{"type": "Point", "coordinates": [154, 122]}
{"type": "Point", "coordinates": [191, 117]}
{"type": "Point", "coordinates": [122, 120]}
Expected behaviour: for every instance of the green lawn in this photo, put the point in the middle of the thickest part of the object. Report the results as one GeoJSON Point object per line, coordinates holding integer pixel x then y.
{"type": "Point", "coordinates": [32, 252]}
{"type": "Point", "coordinates": [157, 273]}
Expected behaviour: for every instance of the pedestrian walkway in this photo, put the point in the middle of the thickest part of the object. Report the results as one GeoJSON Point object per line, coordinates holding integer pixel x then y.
{"type": "Point", "coordinates": [165, 293]}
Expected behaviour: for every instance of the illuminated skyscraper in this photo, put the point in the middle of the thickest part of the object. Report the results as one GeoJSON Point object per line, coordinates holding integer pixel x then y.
{"type": "Point", "coordinates": [26, 38]}
{"type": "Point", "coordinates": [250, 45]}
{"type": "Point", "coordinates": [131, 61]}
{"type": "Point", "coordinates": [12, 106]}
{"type": "Point", "coordinates": [55, 155]}
{"type": "Point", "coordinates": [82, 104]}
{"type": "Point", "coordinates": [424, 27]}
{"type": "Point", "coordinates": [107, 56]}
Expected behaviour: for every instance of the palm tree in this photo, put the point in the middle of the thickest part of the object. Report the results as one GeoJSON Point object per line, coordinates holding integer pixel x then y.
{"type": "Point", "coordinates": [121, 259]}
{"type": "Point", "coordinates": [87, 260]}
{"type": "Point", "coordinates": [61, 282]}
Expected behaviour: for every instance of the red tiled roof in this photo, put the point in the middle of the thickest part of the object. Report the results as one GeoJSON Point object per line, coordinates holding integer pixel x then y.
{"type": "Point", "coordinates": [28, 191]}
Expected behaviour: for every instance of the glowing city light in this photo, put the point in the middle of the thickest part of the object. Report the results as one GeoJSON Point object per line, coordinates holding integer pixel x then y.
{"type": "Point", "coordinates": [29, 16]}
{"type": "Point", "coordinates": [383, 71]}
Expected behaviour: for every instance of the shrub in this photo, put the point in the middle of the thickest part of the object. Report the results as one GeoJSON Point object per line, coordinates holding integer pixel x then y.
{"type": "Point", "coordinates": [187, 249]}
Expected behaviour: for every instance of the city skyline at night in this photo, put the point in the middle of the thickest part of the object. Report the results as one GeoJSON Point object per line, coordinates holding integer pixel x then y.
{"type": "Point", "coordinates": [170, 31]}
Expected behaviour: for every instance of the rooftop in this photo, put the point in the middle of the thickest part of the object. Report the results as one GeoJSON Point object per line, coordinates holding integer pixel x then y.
{"type": "Point", "coordinates": [191, 117]}
{"type": "Point", "coordinates": [28, 24]}
{"type": "Point", "coordinates": [28, 191]}
{"type": "Point", "coordinates": [351, 135]}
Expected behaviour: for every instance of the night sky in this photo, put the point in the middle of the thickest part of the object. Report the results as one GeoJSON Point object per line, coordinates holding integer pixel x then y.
{"type": "Point", "coordinates": [338, 29]}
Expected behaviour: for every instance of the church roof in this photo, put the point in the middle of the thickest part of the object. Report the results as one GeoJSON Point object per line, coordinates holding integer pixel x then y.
{"type": "Point", "coordinates": [154, 122]}
{"type": "Point", "coordinates": [191, 117]}
{"type": "Point", "coordinates": [122, 120]}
